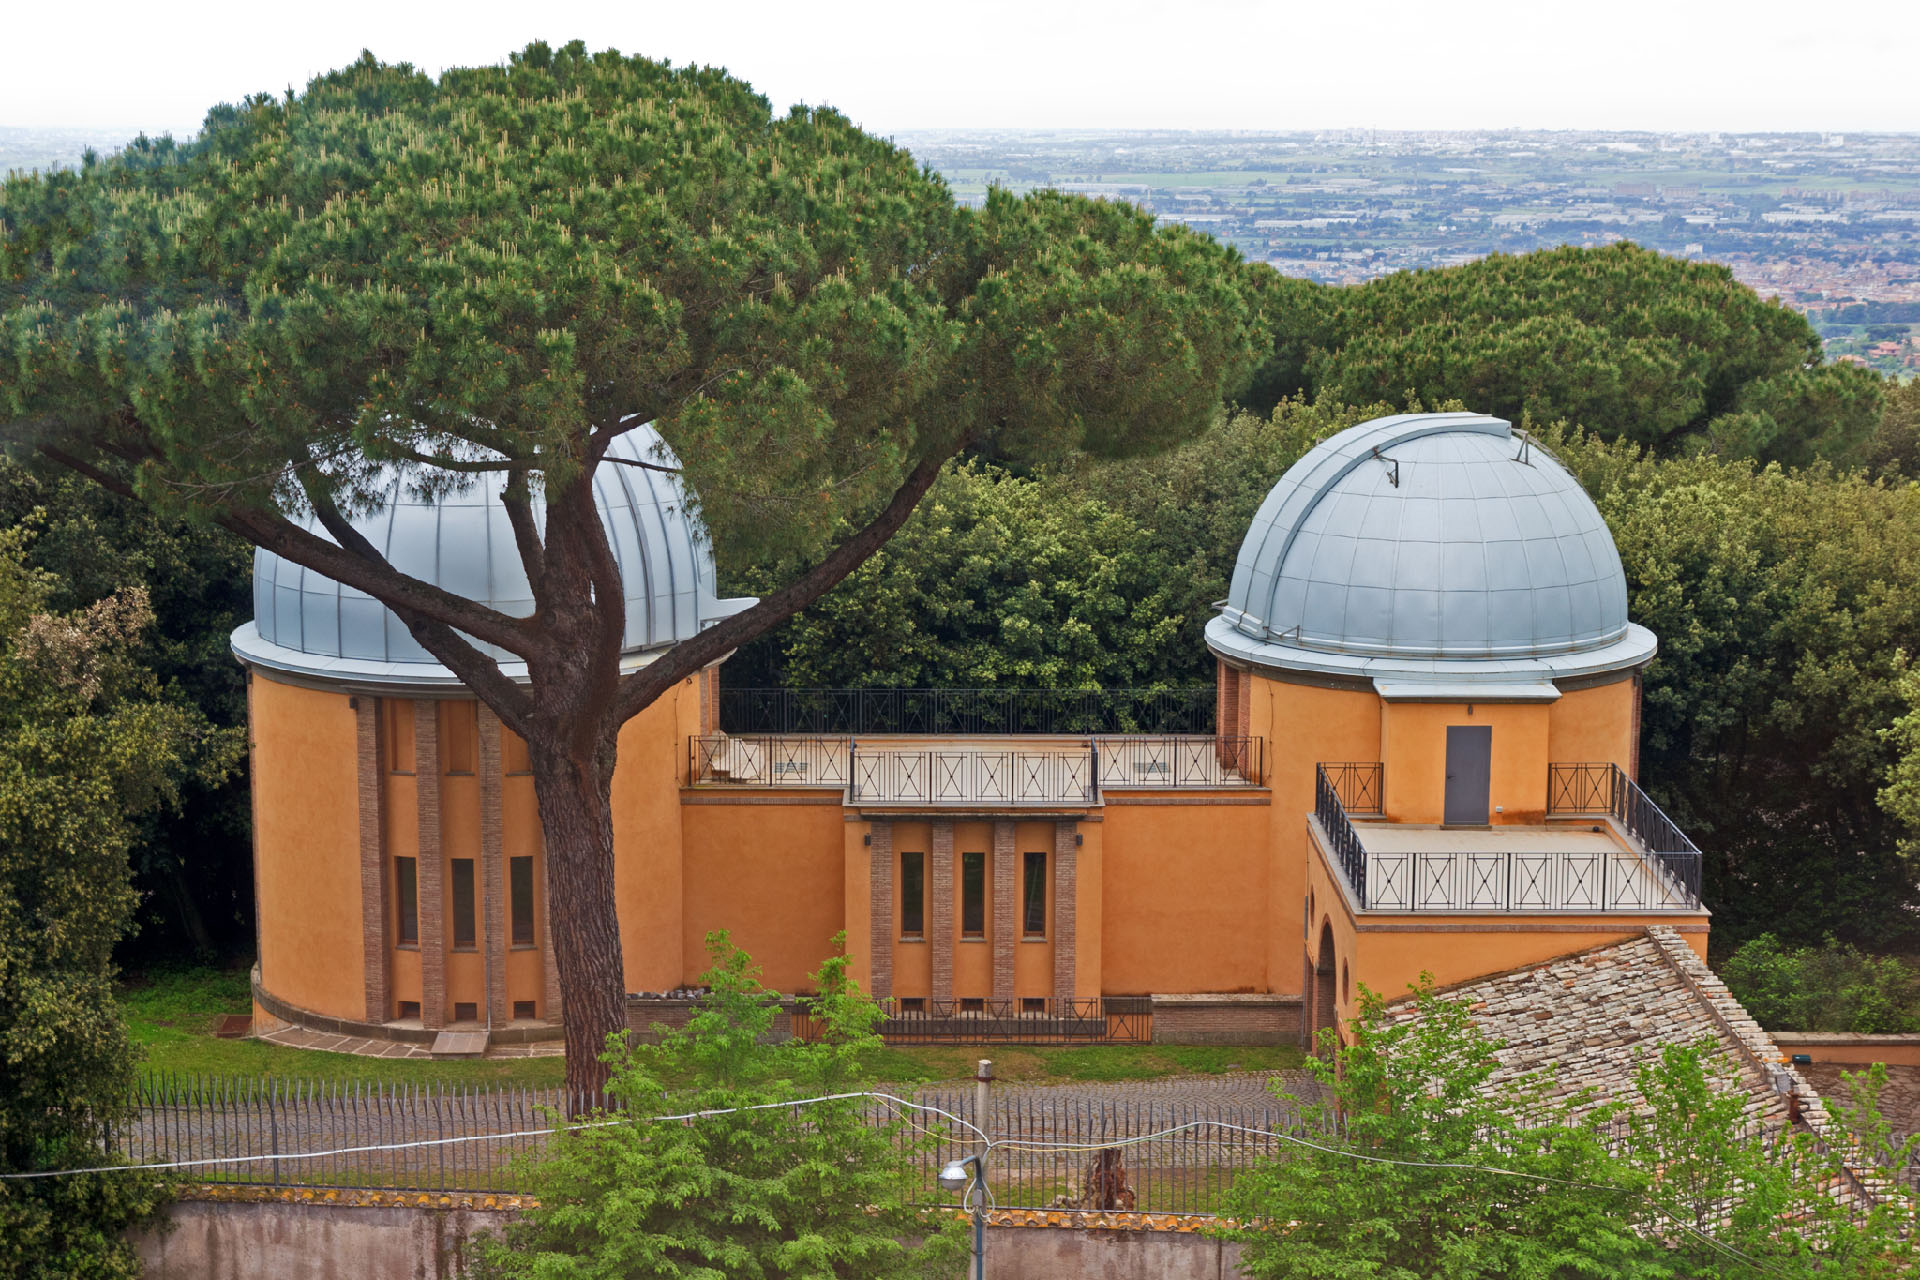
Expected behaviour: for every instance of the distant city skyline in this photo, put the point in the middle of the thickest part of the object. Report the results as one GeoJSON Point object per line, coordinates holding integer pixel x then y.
{"type": "Point", "coordinates": [1658, 65]}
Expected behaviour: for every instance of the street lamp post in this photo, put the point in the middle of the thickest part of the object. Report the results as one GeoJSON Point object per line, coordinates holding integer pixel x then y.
{"type": "Point", "coordinates": [970, 1174]}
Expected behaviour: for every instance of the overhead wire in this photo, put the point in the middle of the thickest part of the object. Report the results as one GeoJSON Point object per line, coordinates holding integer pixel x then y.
{"type": "Point", "coordinates": [990, 1144]}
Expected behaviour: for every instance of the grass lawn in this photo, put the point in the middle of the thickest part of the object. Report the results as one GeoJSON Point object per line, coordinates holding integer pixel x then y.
{"type": "Point", "coordinates": [171, 1015]}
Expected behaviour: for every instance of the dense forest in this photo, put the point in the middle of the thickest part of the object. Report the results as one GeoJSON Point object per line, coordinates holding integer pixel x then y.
{"type": "Point", "coordinates": [1760, 500]}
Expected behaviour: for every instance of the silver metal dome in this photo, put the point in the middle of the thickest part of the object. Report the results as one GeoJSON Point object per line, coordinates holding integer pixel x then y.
{"type": "Point", "coordinates": [307, 623]}
{"type": "Point", "coordinates": [1430, 546]}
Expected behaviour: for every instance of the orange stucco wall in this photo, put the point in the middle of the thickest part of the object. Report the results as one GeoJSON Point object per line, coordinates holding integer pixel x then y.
{"type": "Point", "coordinates": [306, 840]}
{"type": "Point", "coordinates": [772, 875]}
{"type": "Point", "coordinates": [1593, 725]}
{"type": "Point", "coordinates": [648, 861]}
{"type": "Point", "coordinates": [1413, 746]}
{"type": "Point", "coordinates": [1304, 726]}
{"type": "Point", "coordinates": [1185, 886]}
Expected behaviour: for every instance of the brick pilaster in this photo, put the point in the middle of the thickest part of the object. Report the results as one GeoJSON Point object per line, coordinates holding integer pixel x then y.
{"type": "Point", "coordinates": [432, 882]}
{"type": "Point", "coordinates": [375, 912]}
{"type": "Point", "coordinates": [493, 866]}
{"type": "Point", "coordinates": [880, 911]}
{"type": "Point", "coordinates": [550, 971]}
{"type": "Point", "coordinates": [1243, 705]}
{"type": "Point", "coordinates": [1005, 922]}
{"type": "Point", "coordinates": [1066, 884]}
{"type": "Point", "coordinates": [940, 938]}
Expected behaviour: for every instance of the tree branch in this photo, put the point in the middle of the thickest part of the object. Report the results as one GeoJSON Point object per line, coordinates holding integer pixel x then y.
{"type": "Point", "coordinates": [640, 689]}
{"type": "Point", "coordinates": [533, 556]}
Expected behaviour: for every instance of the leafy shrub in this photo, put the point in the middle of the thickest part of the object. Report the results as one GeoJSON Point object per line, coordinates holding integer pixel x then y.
{"type": "Point", "coordinates": [1831, 987]}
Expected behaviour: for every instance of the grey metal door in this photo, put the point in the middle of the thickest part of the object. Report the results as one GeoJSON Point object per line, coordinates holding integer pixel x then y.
{"type": "Point", "coordinates": [1469, 773]}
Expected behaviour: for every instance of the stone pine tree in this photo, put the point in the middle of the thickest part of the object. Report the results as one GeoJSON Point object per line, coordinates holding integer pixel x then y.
{"type": "Point", "coordinates": [502, 270]}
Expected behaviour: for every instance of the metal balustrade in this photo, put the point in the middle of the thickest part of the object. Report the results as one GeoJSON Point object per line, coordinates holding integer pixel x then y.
{"type": "Point", "coordinates": [767, 761]}
{"type": "Point", "coordinates": [1344, 842]}
{"type": "Point", "coordinates": [936, 772]}
{"type": "Point", "coordinates": [1659, 869]}
{"type": "Point", "coordinates": [1528, 880]}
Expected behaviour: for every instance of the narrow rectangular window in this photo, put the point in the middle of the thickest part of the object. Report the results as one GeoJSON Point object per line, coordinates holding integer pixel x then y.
{"type": "Point", "coordinates": [406, 873]}
{"type": "Point", "coordinates": [973, 895]}
{"type": "Point", "coordinates": [463, 902]}
{"type": "Point", "coordinates": [523, 1011]}
{"type": "Point", "coordinates": [514, 760]}
{"type": "Point", "coordinates": [913, 1004]}
{"type": "Point", "coordinates": [1034, 923]}
{"type": "Point", "coordinates": [466, 1011]}
{"type": "Point", "coordinates": [1033, 1004]}
{"type": "Point", "coordinates": [396, 715]}
{"type": "Point", "coordinates": [520, 874]}
{"type": "Point", "coordinates": [459, 736]}
{"type": "Point", "coordinates": [913, 894]}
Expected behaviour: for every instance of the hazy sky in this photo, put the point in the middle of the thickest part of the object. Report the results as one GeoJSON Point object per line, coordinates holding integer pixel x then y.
{"type": "Point", "coordinates": [897, 64]}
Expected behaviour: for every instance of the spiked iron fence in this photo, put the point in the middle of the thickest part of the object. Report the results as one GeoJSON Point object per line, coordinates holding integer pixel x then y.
{"type": "Point", "coordinates": [482, 1138]}
{"type": "Point", "coordinates": [1052, 1149]}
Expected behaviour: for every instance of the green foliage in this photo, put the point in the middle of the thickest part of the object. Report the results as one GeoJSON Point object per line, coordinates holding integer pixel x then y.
{"type": "Point", "coordinates": [1433, 1164]}
{"type": "Point", "coordinates": [781, 1191]}
{"type": "Point", "coordinates": [994, 581]}
{"type": "Point", "coordinates": [1781, 604]}
{"type": "Point", "coordinates": [193, 862]}
{"type": "Point", "coordinates": [1402, 1184]}
{"type": "Point", "coordinates": [1625, 342]}
{"type": "Point", "coordinates": [514, 256]}
{"type": "Point", "coordinates": [87, 748]}
{"type": "Point", "coordinates": [1728, 1198]}
{"type": "Point", "coordinates": [1831, 987]}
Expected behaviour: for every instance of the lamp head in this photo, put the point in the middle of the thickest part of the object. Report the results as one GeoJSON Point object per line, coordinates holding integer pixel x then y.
{"type": "Point", "coordinates": [954, 1176]}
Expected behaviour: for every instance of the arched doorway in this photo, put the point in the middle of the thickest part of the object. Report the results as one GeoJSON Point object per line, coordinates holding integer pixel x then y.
{"type": "Point", "coordinates": [1323, 984]}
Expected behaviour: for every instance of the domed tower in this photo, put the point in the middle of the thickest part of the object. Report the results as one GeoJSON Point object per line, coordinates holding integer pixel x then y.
{"type": "Point", "coordinates": [399, 877]}
{"type": "Point", "coordinates": [1428, 620]}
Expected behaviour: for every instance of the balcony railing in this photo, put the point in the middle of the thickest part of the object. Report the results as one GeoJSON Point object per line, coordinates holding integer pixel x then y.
{"type": "Point", "coordinates": [1361, 785]}
{"type": "Point", "coordinates": [970, 775]}
{"type": "Point", "coordinates": [1531, 880]}
{"type": "Point", "coordinates": [1605, 788]}
{"type": "Point", "coordinates": [1662, 873]}
{"type": "Point", "coordinates": [990, 773]}
{"type": "Point", "coordinates": [1179, 760]}
{"type": "Point", "coordinates": [853, 712]}
{"type": "Point", "coordinates": [767, 761]}
{"type": "Point", "coordinates": [1344, 842]}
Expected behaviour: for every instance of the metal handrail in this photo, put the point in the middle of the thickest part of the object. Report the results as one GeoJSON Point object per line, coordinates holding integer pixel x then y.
{"type": "Point", "coordinates": [1604, 787]}
{"type": "Point", "coordinates": [1544, 880]}
{"type": "Point", "coordinates": [1348, 853]}
{"type": "Point", "coordinates": [1360, 784]}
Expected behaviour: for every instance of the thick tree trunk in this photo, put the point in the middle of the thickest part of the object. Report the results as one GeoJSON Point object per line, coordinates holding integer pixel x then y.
{"type": "Point", "coordinates": [577, 821]}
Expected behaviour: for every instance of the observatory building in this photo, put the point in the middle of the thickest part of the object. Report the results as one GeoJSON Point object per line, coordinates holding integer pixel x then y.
{"type": "Point", "coordinates": [1420, 757]}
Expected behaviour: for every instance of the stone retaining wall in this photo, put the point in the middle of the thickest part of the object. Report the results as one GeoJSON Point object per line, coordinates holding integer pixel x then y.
{"type": "Point", "coordinates": [307, 1234]}
{"type": "Point", "coordinates": [1226, 1019]}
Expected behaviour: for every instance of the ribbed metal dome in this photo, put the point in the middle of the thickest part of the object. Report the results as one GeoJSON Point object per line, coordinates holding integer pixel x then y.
{"type": "Point", "coordinates": [463, 542]}
{"type": "Point", "coordinates": [1429, 539]}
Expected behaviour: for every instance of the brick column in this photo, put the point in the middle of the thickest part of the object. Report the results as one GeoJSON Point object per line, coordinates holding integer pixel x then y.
{"type": "Point", "coordinates": [375, 913]}
{"type": "Point", "coordinates": [940, 917]}
{"type": "Point", "coordinates": [1005, 923]}
{"type": "Point", "coordinates": [432, 866]}
{"type": "Point", "coordinates": [550, 971]}
{"type": "Point", "coordinates": [880, 911]}
{"type": "Point", "coordinates": [1066, 882]}
{"type": "Point", "coordinates": [493, 866]}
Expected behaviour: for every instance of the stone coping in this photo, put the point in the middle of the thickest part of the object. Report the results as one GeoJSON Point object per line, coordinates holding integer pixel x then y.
{"type": "Point", "coordinates": [1226, 999]}
{"type": "Point", "coordinates": [1841, 1039]}
{"type": "Point", "coordinates": [504, 1202]}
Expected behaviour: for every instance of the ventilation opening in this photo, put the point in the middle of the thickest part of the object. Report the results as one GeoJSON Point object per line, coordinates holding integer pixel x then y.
{"type": "Point", "coordinates": [466, 1011]}
{"type": "Point", "coordinates": [913, 1004]}
{"type": "Point", "coordinates": [1033, 1004]}
{"type": "Point", "coordinates": [523, 1009]}
{"type": "Point", "coordinates": [973, 1006]}
{"type": "Point", "coordinates": [409, 1009]}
